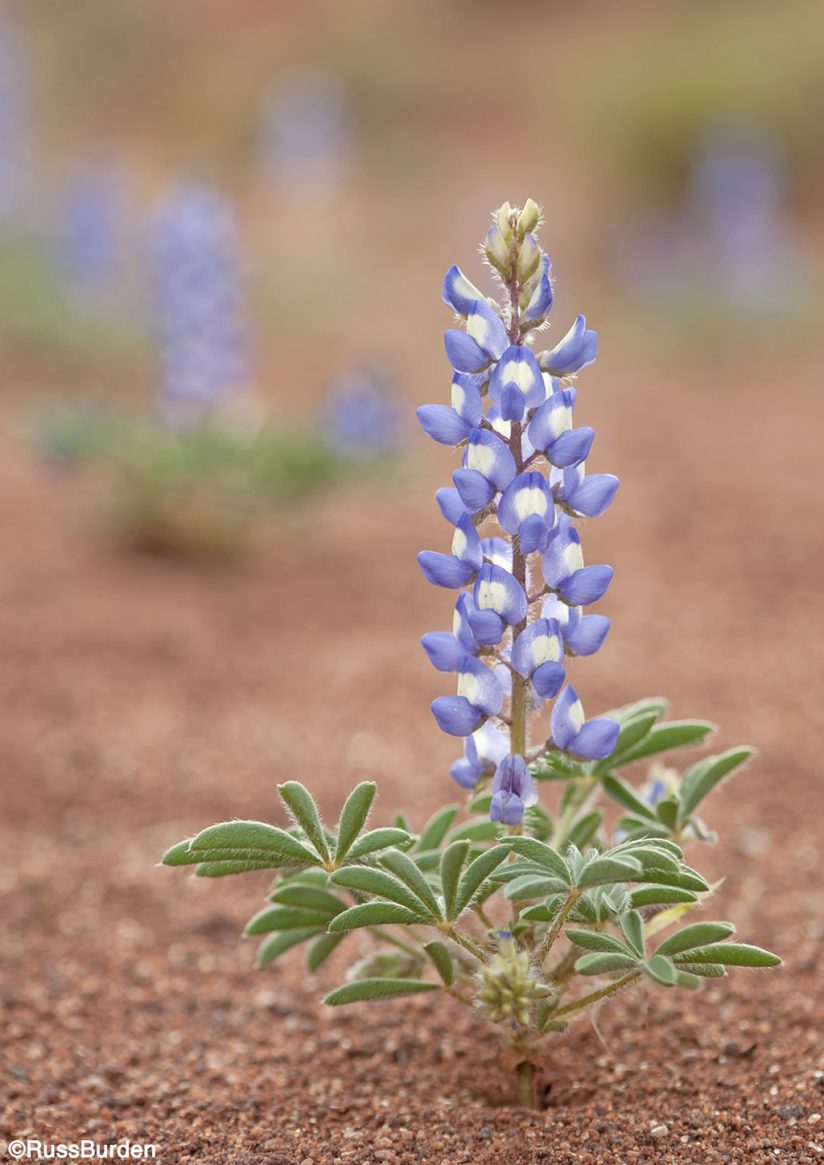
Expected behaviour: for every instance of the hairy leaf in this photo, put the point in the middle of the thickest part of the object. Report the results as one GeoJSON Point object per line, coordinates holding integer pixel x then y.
{"type": "Point", "coordinates": [308, 898]}
{"type": "Point", "coordinates": [452, 862]}
{"type": "Point", "coordinates": [542, 855]}
{"type": "Point", "coordinates": [605, 964]}
{"type": "Point", "coordinates": [353, 816]}
{"type": "Point", "coordinates": [404, 868]}
{"type": "Point", "coordinates": [585, 829]}
{"type": "Point", "coordinates": [321, 949]}
{"type": "Point", "coordinates": [663, 737]}
{"type": "Point", "coordinates": [378, 882]}
{"type": "Point", "coordinates": [366, 989]}
{"type": "Point", "coordinates": [285, 918]}
{"type": "Point", "coordinates": [593, 940]}
{"type": "Point", "coordinates": [254, 839]}
{"type": "Point", "coordinates": [377, 913]}
{"type": "Point", "coordinates": [730, 955]}
{"type": "Point", "coordinates": [301, 804]}
{"type": "Point", "coordinates": [442, 960]}
{"type": "Point", "coordinates": [702, 778]}
{"type": "Point", "coordinates": [378, 839]}
{"type": "Point", "coordinates": [436, 829]}
{"type": "Point", "coordinates": [272, 948]}
{"type": "Point", "coordinates": [625, 796]}
{"type": "Point", "coordinates": [661, 970]}
{"type": "Point", "coordinates": [632, 928]}
{"type": "Point", "coordinates": [700, 934]}
{"type": "Point", "coordinates": [606, 871]}
{"type": "Point", "coordinates": [474, 876]}
{"type": "Point", "coordinates": [660, 896]}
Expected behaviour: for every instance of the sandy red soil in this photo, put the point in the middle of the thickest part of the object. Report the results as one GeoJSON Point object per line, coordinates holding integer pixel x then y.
{"type": "Point", "coordinates": [142, 700]}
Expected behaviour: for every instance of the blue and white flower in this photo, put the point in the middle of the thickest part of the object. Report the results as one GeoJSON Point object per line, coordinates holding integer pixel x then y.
{"type": "Point", "coordinates": [578, 348]}
{"type": "Point", "coordinates": [513, 791]}
{"type": "Point", "coordinates": [551, 431]}
{"type": "Point", "coordinates": [585, 496]}
{"type": "Point", "coordinates": [537, 654]}
{"type": "Point", "coordinates": [564, 571]}
{"type": "Point", "coordinates": [479, 696]}
{"type": "Point", "coordinates": [526, 509]}
{"type": "Point", "coordinates": [572, 732]}
{"type": "Point", "coordinates": [483, 751]}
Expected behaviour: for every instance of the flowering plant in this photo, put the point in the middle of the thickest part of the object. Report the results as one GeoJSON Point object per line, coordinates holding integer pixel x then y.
{"type": "Point", "coordinates": [515, 910]}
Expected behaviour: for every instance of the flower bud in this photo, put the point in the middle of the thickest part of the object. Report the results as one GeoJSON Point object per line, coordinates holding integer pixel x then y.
{"type": "Point", "coordinates": [529, 256]}
{"type": "Point", "coordinates": [507, 987]}
{"type": "Point", "coordinates": [496, 250]}
{"type": "Point", "coordinates": [529, 217]}
{"type": "Point", "coordinates": [503, 220]}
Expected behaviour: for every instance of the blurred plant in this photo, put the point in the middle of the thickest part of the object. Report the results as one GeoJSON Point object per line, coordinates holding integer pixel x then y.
{"type": "Point", "coordinates": [306, 138]}
{"type": "Point", "coordinates": [14, 129]}
{"type": "Point", "coordinates": [360, 417]}
{"type": "Point", "coordinates": [199, 308]}
{"type": "Point", "coordinates": [512, 914]}
{"type": "Point", "coordinates": [91, 234]}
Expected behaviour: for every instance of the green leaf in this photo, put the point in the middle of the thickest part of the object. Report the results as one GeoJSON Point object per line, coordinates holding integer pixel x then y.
{"type": "Point", "coordinates": [284, 918]}
{"type": "Point", "coordinates": [222, 869]}
{"type": "Point", "coordinates": [378, 839]}
{"type": "Point", "coordinates": [685, 879]}
{"type": "Point", "coordinates": [301, 804]}
{"type": "Point", "coordinates": [321, 949]}
{"type": "Point", "coordinates": [650, 855]}
{"type": "Point", "coordinates": [452, 862]}
{"type": "Point", "coordinates": [539, 913]}
{"type": "Point", "coordinates": [632, 928]}
{"type": "Point", "coordinates": [702, 778]}
{"type": "Point", "coordinates": [279, 943]}
{"type": "Point", "coordinates": [625, 796]}
{"type": "Point", "coordinates": [685, 979]}
{"type": "Point", "coordinates": [254, 839]}
{"type": "Point", "coordinates": [593, 940]}
{"type": "Point", "coordinates": [436, 829]}
{"type": "Point", "coordinates": [365, 989]}
{"type": "Point", "coordinates": [584, 830]}
{"type": "Point", "coordinates": [180, 854]}
{"type": "Point", "coordinates": [606, 871]}
{"type": "Point", "coordinates": [632, 731]}
{"type": "Point", "coordinates": [476, 831]}
{"type": "Point", "coordinates": [557, 766]}
{"type": "Point", "coordinates": [660, 896]}
{"type": "Point", "coordinates": [652, 704]}
{"type": "Point", "coordinates": [533, 886]}
{"type": "Point", "coordinates": [661, 970]}
{"type": "Point", "coordinates": [353, 816]}
{"type": "Point", "coordinates": [605, 964]}
{"type": "Point", "coordinates": [730, 955]}
{"type": "Point", "coordinates": [703, 970]}
{"type": "Point", "coordinates": [542, 855]}
{"type": "Point", "coordinates": [442, 960]}
{"type": "Point", "coordinates": [475, 875]}
{"type": "Point", "coordinates": [700, 934]}
{"type": "Point", "coordinates": [663, 737]}
{"type": "Point", "coordinates": [405, 869]}
{"type": "Point", "coordinates": [481, 803]}
{"type": "Point", "coordinates": [377, 913]}
{"type": "Point", "coordinates": [308, 898]}
{"type": "Point", "coordinates": [667, 812]}
{"type": "Point", "coordinates": [379, 882]}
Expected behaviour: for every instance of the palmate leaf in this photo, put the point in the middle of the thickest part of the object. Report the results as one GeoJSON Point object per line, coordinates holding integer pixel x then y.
{"type": "Point", "coordinates": [663, 737]}
{"type": "Point", "coordinates": [661, 896]}
{"type": "Point", "coordinates": [436, 829]}
{"type": "Point", "coordinates": [321, 949]}
{"type": "Point", "coordinates": [605, 964]}
{"type": "Point", "coordinates": [632, 928]}
{"type": "Point", "coordinates": [253, 839]}
{"type": "Point", "coordinates": [593, 940]}
{"type": "Point", "coordinates": [730, 955]}
{"type": "Point", "coordinates": [221, 869]}
{"type": "Point", "coordinates": [542, 855]}
{"type": "Point", "coordinates": [307, 897]}
{"type": "Point", "coordinates": [353, 817]}
{"type": "Point", "coordinates": [403, 867]}
{"type": "Point", "coordinates": [700, 934]}
{"type": "Point", "coordinates": [367, 989]}
{"type": "Point", "coordinates": [662, 970]}
{"type": "Point", "coordinates": [452, 862]}
{"type": "Point", "coordinates": [607, 871]}
{"type": "Point", "coordinates": [286, 918]}
{"type": "Point", "coordinates": [631, 732]}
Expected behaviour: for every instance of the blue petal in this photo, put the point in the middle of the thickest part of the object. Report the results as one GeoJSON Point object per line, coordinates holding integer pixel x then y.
{"type": "Point", "coordinates": [444, 570]}
{"type": "Point", "coordinates": [547, 679]}
{"type": "Point", "coordinates": [491, 456]}
{"type": "Point", "coordinates": [466, 398]}
{"type": "Point", "coordinates": [458, 293]}
{"type": "Point", "coordinates": [485, 326]}
{"type": "Point", "coordinates": [586, 585]}
{"type": "Point", "coordinates": [465, 773]}
{"type": "Point", "coordinates": [540, 302]}
{"type": "Point", "coordinates": [575, 351]}
{"type": "Point", "coordinates": [552, 419]}
{"type": "Point", "coordinates": [455, 715]}
{"type": "Point", "coordinates": [529, 651]}
{"type": "Point", "coordinates": [518, 366]}
{"type": "Point", "coordinates": [512, 403]}
{"type": "Point", "coordinates": [571, 448]}
{"type": "Point", "coordinates": [463, 353]}
{"type": "Point", "coordinates": [497, 590]}
{"type": "Point", "coordinates": [534, 534]}
{"type": "Point", "coordinates": [562, 728]}
{"type": "Point", "coordinates": [587, 634]}
{"type": "Point", "coordinates": [474, 490]}
{"type": "Point", "coordinates": [556, 561]}
{"type": "Point", "coordinates": [480, 686]}
{"type": "Point", "coordinates": [596, 740]}
{"type": "Point", "coordinates": [527, 493]}
{"type": "Point", "coordinates": [461, 626]}
{"type": "Point", "coordinates": [593, 495]}
{"type": "Point", "coordinates": [445, 650]}
{"type": "Point", "coordinates": [487, 627]}
{"type": "Point", "coordinates": [450, 504]}
{"type": "Point", "coordinates": [507, 808]}
{"type": "Point", "coordinates": [442, 424]}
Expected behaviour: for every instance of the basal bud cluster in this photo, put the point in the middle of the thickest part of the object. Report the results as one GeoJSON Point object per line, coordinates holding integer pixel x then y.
{"type": "Point", "coordinates": [506, 986]}
{"type": "Point", "coordinates": [516, 554]}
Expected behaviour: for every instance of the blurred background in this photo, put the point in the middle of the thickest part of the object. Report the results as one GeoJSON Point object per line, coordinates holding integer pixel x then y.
{"type": "Point", "coordinates": [223, 226]}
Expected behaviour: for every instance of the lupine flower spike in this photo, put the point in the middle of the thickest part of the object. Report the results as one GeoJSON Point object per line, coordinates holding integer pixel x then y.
{"type": "Point", "coordinates": [522, 483]}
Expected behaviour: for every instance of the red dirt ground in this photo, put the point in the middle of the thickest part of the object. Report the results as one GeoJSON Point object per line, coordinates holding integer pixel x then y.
{"type": "Point", "coordinates": [142, 700]}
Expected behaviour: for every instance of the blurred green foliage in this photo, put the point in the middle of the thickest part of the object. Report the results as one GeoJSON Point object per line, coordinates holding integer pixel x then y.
{"type": "Point", "coordinates": [646, 98]}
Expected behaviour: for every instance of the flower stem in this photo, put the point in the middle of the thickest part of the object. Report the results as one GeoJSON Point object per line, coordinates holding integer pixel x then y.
{"type": "Point", "coordinates": [594, 996]}
{"type": "Point", "coordinates": [555, 929]}
{"type": "Point", "coordinates": [526, 1084]}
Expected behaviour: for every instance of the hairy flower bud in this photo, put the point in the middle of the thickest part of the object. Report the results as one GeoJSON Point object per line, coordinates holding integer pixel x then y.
{"type": "Point", "coordinates": [529, 217]}
{"type": "Point", "coordinates": [506, 986]}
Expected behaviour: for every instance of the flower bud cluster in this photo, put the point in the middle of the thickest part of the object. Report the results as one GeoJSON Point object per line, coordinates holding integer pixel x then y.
{"type": "Point", "coordinates": [507, 986]}
{"type": "Point", "coordinates": [516, 554]}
